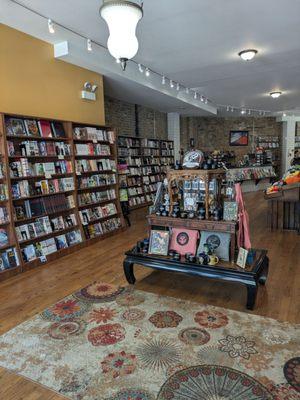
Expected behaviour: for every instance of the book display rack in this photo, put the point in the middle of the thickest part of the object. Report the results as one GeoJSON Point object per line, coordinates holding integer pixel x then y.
{"type": "Point", "coordinates": [58, 190]}
{"type": "Point", "coordinates": [142, 163]}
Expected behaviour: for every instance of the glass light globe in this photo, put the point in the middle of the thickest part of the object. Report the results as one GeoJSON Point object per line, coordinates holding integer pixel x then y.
{"type": "Point", "coordinates": [122, 18]}
{"type": "Point", "coordinates": [248, 55]}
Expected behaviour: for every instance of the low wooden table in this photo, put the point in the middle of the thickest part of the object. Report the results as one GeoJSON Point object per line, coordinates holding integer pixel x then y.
{"type": "Point", "coordinates": [251, 276]}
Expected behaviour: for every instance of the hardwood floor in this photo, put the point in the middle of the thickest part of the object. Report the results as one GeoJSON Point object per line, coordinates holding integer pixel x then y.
{"type": "Point", "coordinates": [25, 295]}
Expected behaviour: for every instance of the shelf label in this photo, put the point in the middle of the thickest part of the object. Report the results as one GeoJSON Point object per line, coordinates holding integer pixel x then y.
{"type": "Point", "coordinates": [48, 176]}
{"type": "Point", "coordinates": [43, 259]}
{"type": "Point", "coordinates": [78, 173]}
{"type": "Point", "coordinates": [61, 157]}
{"type": "Point", "coordinates": [95, 141]}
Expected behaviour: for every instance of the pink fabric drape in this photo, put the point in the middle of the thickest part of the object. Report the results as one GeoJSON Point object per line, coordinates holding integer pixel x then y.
{"type": "Point", "coordinates": [243, 238]}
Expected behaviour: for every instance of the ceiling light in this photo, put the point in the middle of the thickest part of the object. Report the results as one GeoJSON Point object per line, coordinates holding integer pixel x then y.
{"type": "Point", "coordinates": [163, 81]}
{"type": "Point", "coordinates": [249, 112]}
{"type": "Point", "coordinates": [243, 112]}
{"type": "Point", "coordinates": [284, 114]}
{"type": "Point", "coordinates": [89, 45]}
{"type": "Point", "coordinates": [227, 108]}
{"type": "Point", "coordinates": [202, 99]}
{"type": "Point", "coordinates": [178, 86]}
{"type": "Point", "coordinates": [248, 55]}
{"type": "Point", "coordinates": [147, 73]}
{"type": "Point", "coordinates": [275, 95]}
{"type": "Point", "coordinates": [141, 69]}
{"type": "Point", "coordinates": [195, 96]}
{"type": "Point", "coordinates": [51, 26]}
{"type": "Point", "coordinates": [232, 109]}
{"type": "Point", "coordinates": [187, 90]}
{"type": "Point", "coordinates": [171, 84]}
{"type": "Point", "coordinates": [122, 17]}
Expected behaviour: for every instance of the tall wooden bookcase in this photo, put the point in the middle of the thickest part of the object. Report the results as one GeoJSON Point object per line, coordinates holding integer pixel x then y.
{"type": "Point", "coordinates": [73, 208]}
{"type": "Point", "coordinates": [143, 162]}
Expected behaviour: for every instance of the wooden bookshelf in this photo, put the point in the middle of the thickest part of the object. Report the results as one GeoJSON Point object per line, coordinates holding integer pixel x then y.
{"type": "Point", "coordinates": [14, 149]}
{"type": "Point", "coordinates": [151, 158]}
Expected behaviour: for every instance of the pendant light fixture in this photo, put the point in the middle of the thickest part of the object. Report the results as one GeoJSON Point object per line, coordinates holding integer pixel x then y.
{"type": "Point", "coordinates": [122, 17]}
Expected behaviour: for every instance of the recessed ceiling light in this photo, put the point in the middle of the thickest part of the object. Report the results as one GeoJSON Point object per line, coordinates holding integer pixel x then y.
{"type": "Point", "coordinates": [248, 55]}
{"type": "Point", "coordinates": [275, 95]}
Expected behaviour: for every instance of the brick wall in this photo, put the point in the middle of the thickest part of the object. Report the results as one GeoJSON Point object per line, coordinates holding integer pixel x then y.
{"type": "Point", "coordinates": [211, 133]}
{"type": "Point", "coordinates": [121, 115]}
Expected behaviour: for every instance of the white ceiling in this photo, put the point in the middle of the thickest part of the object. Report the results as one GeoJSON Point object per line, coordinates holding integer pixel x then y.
{"type": "Point", "coordinates": [194, 42]}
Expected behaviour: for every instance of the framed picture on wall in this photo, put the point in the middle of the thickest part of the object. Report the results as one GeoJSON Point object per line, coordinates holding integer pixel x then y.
{"type": "Point", "coordinates": [239, 138]}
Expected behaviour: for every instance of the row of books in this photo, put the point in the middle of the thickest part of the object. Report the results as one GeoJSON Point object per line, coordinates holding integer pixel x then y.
{"type": "Point", "coordinates": [95, 213]}
{"type": "Point", "coordinates": [96, 197]}
{"type": "Point", "coordinates": [129, 152]}
{"type": "Point", "coordinates": [90, 149]}
{"type": "Point", "coordinates": [4, 217]}
{"type": "Point", "coordinates": [128, 142]}
{"type": "Point", "coordinates": [154, 143]}
{"type": "Point", "coordinates": [167, 152]}
{"type": "Point", "coordinates": [49, 246]}
{"type": "Point", "coordinates": [9, 259]}
{"type": "Point", "coordinates": [151, 161]}
{"type": "Point", "coordinates": [133, 161]}
{"type": "Point", "coordinates": [23, 168]}
{"type": "Point", "coordinates": [134, 180]}
{"type": "Point", "coordinates": [91, 133]}
{"type": "Point", "coordinates": [138, 200]}
{"type": "Point", "coordinates": [154, 169]}
{"type": "Point", "coordinates": [246, 173]}
{"type": "Point", "coordinates": [3, 237]}
{"type": "Point", "coordinates": [3, 192]}
{"type": "Point", "coordinates": [101, 228]}
{"type": "Point", "coordinates": [1, 169]}
{"type": "Point", "coordinates": [95, 165]}
{"type": "Point", "coordinates": [150, 152]}
{"type": "Point", "coordinates": [27, 188]}
{"type": "Point", "coordinates": [96, 180]}
{"type": "Point", "coordinates": [167, 144]}
{"type": "Point", "coordinates": [32, 127]}
{"type": "Point", "coordinates": [134, 191]}
{"type": "Point", "coordinates": [38, 148]}
{"type": "Point", "coordinates": [167, 160]}
{"type": "Point", "coordinates": [44, 205]}
{"type": "Point", "coordinates": [44, 226]}
{"type": "Point", "coordinates": [150, 188]}
{"type": "Point", "coordinates": [151, 179]}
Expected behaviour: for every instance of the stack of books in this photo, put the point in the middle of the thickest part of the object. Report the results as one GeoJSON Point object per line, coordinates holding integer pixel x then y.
{"type": "Point", "coordinates": [92, 214]}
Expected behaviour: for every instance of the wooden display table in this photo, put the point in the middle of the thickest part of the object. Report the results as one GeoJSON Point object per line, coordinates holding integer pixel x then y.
{"type": "Point", "coordinates": [284, 208]}
{"type": "Point", "coordinates": [251, 276]}
{"type": "Point", "coordinates": [201, 225]}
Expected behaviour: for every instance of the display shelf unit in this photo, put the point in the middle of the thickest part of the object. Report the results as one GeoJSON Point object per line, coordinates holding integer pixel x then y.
{"type": "Point", "coordinates": [44, 185]}
{"type": "Point", "coordinates": [7, 215]}
{"type": "Point", "coordinates": [144, 158]}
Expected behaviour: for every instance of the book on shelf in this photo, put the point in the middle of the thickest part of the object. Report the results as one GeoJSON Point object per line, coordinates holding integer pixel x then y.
{"type": "Point", "coordinates": [27, 188]}
{"type": "Point", "coordinates": [3, 237]}
{"type": "Point", "coordinates": [9, 259]}
{"type": "Point", "coordinates": [73, 237]}
{"type": "Point", "coordinates": [58, 129]}
{"type": "Point", "coordinates": [61, 242]}
{"type": "Point", "coordinates": [45, 128]}
{"type": "Point", "coordinates": [4, 218]}
{"type": "Point", "coordinates": [3, 192]}
{"type": "Point", "coordinates": [15, 126]}
{"type": "Point", "coordinates": [35, 148]}
{"type": "Point", "coordinates": [31, 127]}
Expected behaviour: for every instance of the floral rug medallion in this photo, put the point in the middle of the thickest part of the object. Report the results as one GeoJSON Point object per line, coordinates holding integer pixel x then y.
{"type": "Point", "coordinates": [111, 343]}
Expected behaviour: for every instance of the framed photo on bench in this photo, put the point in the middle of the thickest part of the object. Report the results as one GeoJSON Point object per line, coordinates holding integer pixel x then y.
{"type": "Point", "coordinates": [159, 242]}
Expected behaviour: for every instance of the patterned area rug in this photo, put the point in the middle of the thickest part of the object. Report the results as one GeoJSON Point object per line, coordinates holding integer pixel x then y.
{"type": "Point", "coordinates": [108, 342]}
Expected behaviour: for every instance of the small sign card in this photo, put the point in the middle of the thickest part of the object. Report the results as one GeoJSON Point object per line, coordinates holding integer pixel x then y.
{"type": "Point", "coordinates": [230, 211]}
{"type": "Point", "coordinates": [242, 257]}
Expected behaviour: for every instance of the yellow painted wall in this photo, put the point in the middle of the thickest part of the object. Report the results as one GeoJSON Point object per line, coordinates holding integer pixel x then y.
{"type": "Point", "coordinates": [33, 82]}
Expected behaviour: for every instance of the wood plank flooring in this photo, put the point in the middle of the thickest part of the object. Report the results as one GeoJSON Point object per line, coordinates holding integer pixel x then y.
{"type": "Point", "coordinates": [25, 295]}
